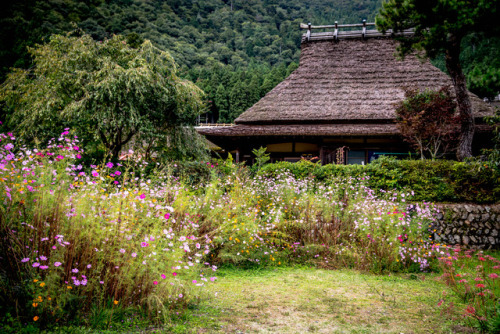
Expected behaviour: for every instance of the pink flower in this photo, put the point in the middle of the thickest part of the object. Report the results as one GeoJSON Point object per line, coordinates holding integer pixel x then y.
{"type": "Point", "coordinates": [144, 244]}
{"type": "Point", "coordinates": [74, 270]}
{"type": "Point", "coordinates": [493, 275]}
{"type": "Point", "coordinates": [174, 274]}
{"type": "Point", "coordinates": [26, 259]}
{"type": "Point", "coordinates": [462, 281]}
{"type": "Point", "coordinates": [213, 278]}
{"type": "Point", "coordinates": [122, 251]}
{"type": "Point", "coordinates": [89, 266]}
{"type": "Point", "coordinates": [35, 264]}
{"type": "Point", "coordinates": [44, 267]}
{"type": "Point", "coordinates": [440, 302]}
{"type": "Point", "coordinates": [167, 216]}
{"type": "Point", "coordinates": [95, 174]}
{"type": "Point", "coordinates": [163, 276]}
{"type": "Point", "coordinates": [479, 285]}
{"type": "Point", "coordinates": [133, 254]}
{"type": "Point", "coordinates": [194, 281]}
{"type": "Point", "coordinates": [478, 279]}
{"type": "Point", "coordinates": [118, 173]}
{"type": "Point", "coordinates": [155, 282]}
{"type": "Point", "coordinates": [78, 156]}
{"type": "Point", "coordinates": [143, 196]}
{"type": "Point", "coordinates": [180, 295]}
{"type": "Point", "coordinates": [57, 264]}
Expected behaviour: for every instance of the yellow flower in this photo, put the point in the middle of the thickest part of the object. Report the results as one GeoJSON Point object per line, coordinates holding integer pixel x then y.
{"type": "Point", "coordinates": [35, 318]}
{"type": "Point", "coordinates": [69, 287]}
{"type": "Point", "coordinates": [116, 302]}
{"type": "Point", "coordinates": [42, 284]}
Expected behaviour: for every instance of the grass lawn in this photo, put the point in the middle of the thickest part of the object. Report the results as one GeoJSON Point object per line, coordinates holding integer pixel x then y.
{"type": "Point", "coordinates": [300, 300]}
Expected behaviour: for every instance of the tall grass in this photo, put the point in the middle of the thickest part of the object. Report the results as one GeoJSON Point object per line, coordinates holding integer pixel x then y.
{"type": "Point", "coordinates": [82, 244]}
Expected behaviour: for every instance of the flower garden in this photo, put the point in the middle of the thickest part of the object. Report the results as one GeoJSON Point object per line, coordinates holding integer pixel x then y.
{"type": "Point", "coordinates": [93, 245]}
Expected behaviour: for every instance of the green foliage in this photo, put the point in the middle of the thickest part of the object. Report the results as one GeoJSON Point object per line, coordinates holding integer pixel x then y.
{"type": "Point", "coordinates": [431, 181]}
{"type": "Point", "coordinates": [109, 93]}
{"type": "Point", "coordinates": [261, 157]}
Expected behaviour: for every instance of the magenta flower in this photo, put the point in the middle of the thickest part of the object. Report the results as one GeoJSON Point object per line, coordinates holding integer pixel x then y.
{"type": "Point", "coordinates": [78, 156]}
{"type": "Point", "coordinates": [194, 281]}
{"type": "Point", "coordinates": [479, 285]}
{"type": "Point", "coordinates": [143, 196]}
{"type": "Point", "coordinates": [109, 165]}
{"type": "Point", "coordinates": [74, 270]}
{"type": "Point", "coordinates": [144, 244]}
{"type": "Point", "coordinates": [213, 278]}
{"type": "Point", "coordinates": [155, 282]}
{"type": "Point", "coordinates": [26, 259]}
{"type": "Point", "coordinates": [122, 251]}
{"type": "Point", "coordinates": [35, 264]}
{"type": "Point", "coordinates": [163, 276]}
{"type": "Point", "coordinates": [174, 274]}
{"type": "Point", "coordinates": [44, 267]}
{"type": "Point", "coordinates": [95, 174]}
{"type": "Point", "coordinates": [117, 173]}
{"type": "Point", "coordinates": [57, 264]}
{"type": "Point", "coordinates": [167, 215]}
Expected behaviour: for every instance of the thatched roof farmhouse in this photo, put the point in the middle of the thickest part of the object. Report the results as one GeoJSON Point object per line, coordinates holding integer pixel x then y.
{"type": "Point", "coordinates": [342, 96]}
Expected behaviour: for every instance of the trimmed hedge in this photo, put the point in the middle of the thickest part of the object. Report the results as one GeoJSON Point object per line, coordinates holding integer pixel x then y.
{"type": "Point", "coordinates": [432, 181]}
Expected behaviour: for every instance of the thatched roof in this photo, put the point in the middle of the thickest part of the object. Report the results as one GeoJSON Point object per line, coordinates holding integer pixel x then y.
{"type": "Point", "coordinates": [350, 81]}
{"type": "Point", "coordinates": [310, 130]}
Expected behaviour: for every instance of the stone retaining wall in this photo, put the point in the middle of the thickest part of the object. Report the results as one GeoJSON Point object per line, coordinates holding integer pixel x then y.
{"type": "Point", "coordinates": [471, 225]}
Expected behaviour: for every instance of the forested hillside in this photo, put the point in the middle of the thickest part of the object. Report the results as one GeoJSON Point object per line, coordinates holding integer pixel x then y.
{"type": "Point", "coordinates": [236, 50]}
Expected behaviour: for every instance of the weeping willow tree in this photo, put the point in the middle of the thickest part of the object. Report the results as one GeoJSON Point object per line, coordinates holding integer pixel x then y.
{"type": "Point", "coordinates": [111, 94]}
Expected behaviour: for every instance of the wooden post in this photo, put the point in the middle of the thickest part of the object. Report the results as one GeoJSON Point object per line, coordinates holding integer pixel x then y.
{"type": "Point", "coordinates": [237, 155]}
{"type": "Point", "coordinates": [364, 28]}
{"type": "Point", "coordinates": [308, 35]}
{"type": "Point", "coordinates": [336, 32]}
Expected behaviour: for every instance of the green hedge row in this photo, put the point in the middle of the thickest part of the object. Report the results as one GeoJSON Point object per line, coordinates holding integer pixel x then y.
{"type": "Point", "coordinates": [432, 181]}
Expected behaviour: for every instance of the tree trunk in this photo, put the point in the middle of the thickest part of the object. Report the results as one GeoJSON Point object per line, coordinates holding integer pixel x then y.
{"type": "Point", "coordinates": [452, 56]}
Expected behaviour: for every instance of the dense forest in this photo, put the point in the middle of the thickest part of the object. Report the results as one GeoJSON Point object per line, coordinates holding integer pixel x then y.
{"type": "Point", "coordinates": [235, 50]}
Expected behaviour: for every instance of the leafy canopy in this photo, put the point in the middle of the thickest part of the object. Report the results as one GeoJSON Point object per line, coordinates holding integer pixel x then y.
{"type": "Point", "coordinates": [437, 23]}
{"type": "Point", "coordinates": [428, 122]}
{"type": "Point", "coordinates": [108, 91]}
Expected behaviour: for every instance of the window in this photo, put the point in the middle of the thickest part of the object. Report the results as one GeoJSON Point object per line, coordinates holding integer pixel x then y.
{"type": "Point", "coordinates": [356, 158]}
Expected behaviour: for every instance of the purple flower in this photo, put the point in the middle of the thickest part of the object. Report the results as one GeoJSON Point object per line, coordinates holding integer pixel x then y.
{"type": "Point", "coordinates": [118, 173]}
{"type": "Point", "coordinates": [43, 258]}
{"type": "Point", "coordinates": [109, 165]}
{"type": "Point", "coordinates": [122, 251]}
{"type": "Point", "coordinates": [144, 244]}
{"type": "Point", "coordinates": [57, 264]}
{"type": "Point", "coordinates": [35, 264]}
{"type": "Point", "coordinates": [133, 254]}
{"type": "Point", "coordinates": [74, 270]}
{"type": "Point", "coordinates": [95, 174]}
{"type": "Point", "coordinates": [167, 215]}
{"type": "Point", "coordinates": [44, 267]}
{"type": "Point", "coordinates": [26, 259]}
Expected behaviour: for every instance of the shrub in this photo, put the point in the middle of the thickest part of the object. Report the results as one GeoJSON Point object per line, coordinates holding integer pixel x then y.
{"type": "Point", "coordinates": [432, 181]}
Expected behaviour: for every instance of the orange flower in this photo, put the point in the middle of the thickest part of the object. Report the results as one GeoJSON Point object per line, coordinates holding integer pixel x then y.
{"type": "Point", "coordinates": [42, 284]}
{"type": "Point", "coordinates": [35, 318]}
{"type": "Point", "coordinates": [69, 287]}
{"type": "Point", "coordinates": [35, 305]}
{"type": "Point", "coordinates": [35, 281]}
{"type": "Point", "coordinates": [116, 302]}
